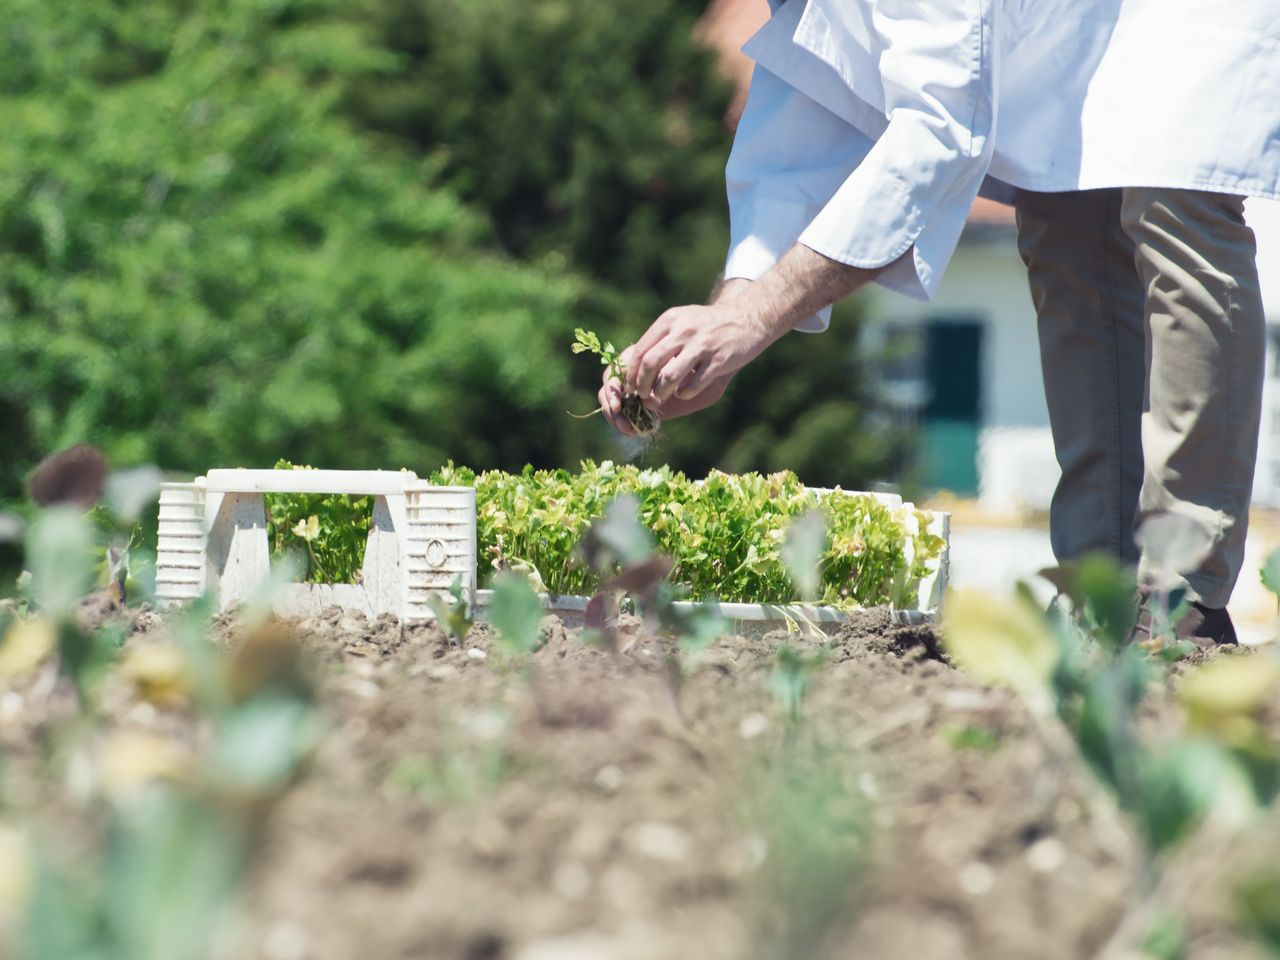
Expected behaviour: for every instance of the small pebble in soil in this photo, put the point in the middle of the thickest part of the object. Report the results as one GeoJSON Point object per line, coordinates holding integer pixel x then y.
{"type": "Point", "coordinates": [490, 838]}
{"type": "Point", "coordinates": [867, 784]}
{"type": "Point", "coordinates": [1046, 855]}
{"type": "Point", "coordinates": [745, 856]}
{"type": "Point", "coordinates": [11, 705]}
{"type": "Point", "coordinates": [364, 689]}
{"type": "Point", "coordinates": [752, 726]}
{"type": "Point", "coordinates": [660, 841]}
{"type": "Point", "coordinates": [976, 700]}
{"type": "Point", "coordinates": [475, 653]}
{"type": "Point", "coordinates": [285, 941]}
{"type": "Point", "coordinates": [484, 724]}
{"type": "Point", "coordinates": [570, 880]}
{"type": "Point", "coordinates": [590, 841]}
{"type": "Point", "coordinates": [580, 947]}
{"type": "Point", "coordinates": [976, 878]}
{"type": "Point", "coordinates": [143, 714]}
{"type": "Point", "coordinates": [609, 778]}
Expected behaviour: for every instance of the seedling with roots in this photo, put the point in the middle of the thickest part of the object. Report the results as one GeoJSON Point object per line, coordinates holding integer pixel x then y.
{"type": "Point", "coordinates": [645, 421]}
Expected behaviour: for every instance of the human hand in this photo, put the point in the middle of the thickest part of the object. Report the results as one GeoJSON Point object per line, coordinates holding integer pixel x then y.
{"type": "Point", "coordinates": [612, 392]}
{"type": "Point", "coordinates": [687, 349]}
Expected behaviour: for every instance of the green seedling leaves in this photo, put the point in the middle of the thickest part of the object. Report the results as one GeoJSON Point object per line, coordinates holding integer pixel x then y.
{"type": "Point", "coordinates": [261, 743]}
{"type": "Point", "coordinates": [452, 615]}
{"type": "Point", "coordinates": [1257, 906]}
{"type": "Point", "coordinates": [618, 537]}
{"type": "Point", "coordinates": [697, 630]}
{"type": "Point", "coordinates": [818, 833]}
{"type": "Point", "coordinates": [1102, 722]}
{"type": "Point", "coordinates": [587, 341]}
{"type": "Point", "coordinates": [802, 551]}
{"type": "Point", "coordinates": [724, 535]}
{"type": "Point", "coordinates": [174, 864]}
{"type": "Point", "coordinates": [517, 614]}
{"type": "Point", "coordinates": [1001, 641]}
{"type": "Point", "coordinates": [1106, 592]}
{"type": "Point", "coordinates": [328, 532]}
{"type": "Point", "coordinates": [792, 675]}
{"type": "Point", "coordinates": [1271, 573]}
{"type": "Point", "coordinates": [1167, 939]}
{"type": "Point", "coordinates": [60, 556]}
{"type": "Point", "coordinates": [970, 737]}
{"type": "Point", "coordinates": [1225, 698]}
{"type": "Point", "coordinates": [1186, 783]}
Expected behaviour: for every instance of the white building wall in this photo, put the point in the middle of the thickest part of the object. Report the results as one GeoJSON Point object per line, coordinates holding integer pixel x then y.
{"type": "Point", "coordinates": [1264, 217]}
{"type": "Point", "coordinates": [987, 282]}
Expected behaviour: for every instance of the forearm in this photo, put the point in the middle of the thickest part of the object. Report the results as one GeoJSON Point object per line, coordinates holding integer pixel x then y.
{"type": "Point", "coordinates": [726, 290]}
{"type": "Point", "coordinates": [796, 287]}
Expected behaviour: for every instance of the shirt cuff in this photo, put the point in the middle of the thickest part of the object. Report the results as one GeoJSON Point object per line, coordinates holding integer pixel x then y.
{"type": "Point", "coordinates": [753, 256]}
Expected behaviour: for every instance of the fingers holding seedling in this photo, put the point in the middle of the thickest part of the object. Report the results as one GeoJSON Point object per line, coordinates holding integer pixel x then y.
{"type": "Point", "coordinates": [623, 409]}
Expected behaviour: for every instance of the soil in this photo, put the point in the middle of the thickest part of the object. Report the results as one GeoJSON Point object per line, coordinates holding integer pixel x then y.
{"type": "Point", "coordinates": [585, 807]}
{"type": "Point", "coordinates": [623, 826]}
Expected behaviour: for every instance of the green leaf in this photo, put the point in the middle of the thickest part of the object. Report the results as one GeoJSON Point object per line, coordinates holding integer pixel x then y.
{"type": "Point", "coordinates": [1257, 905]}
{"type": "Point", "coordinates": [1270, 572]}
{"type": "Point", "coordinates": [802, 551]}
{"type": "Point", "coordinates": [791, 677]}
{"type": "Point", "coordinates": [517, 614]}
{"type": "Point", "coordinates": [1109, 592]}
{"type": "Point", "coordinates": [261, 743]}
{"type": "Point", "coordinates": [1007, 642]}
{"type": "Point", "coordinates": [1167, 939]}
{"type": "Point", "coordinates": [173, 863]}
{"type": "Point", "coordinates": [60, 556]}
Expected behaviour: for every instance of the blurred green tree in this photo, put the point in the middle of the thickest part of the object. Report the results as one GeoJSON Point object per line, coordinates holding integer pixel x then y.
{"type": "Point", "coordinates": [595, 132]}
{"type": "Point", "coordinates": [201, 262]}
{"type": "Point", "coordinates": [205, 259]}
{"type": "Point", "coordinates": [589, 130]}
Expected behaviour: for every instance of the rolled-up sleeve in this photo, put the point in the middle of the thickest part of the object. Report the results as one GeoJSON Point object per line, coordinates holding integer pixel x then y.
{"type": "Point", "coordinates": [789, 158]}
{"type": "Point", "coordinates": [914, 187]}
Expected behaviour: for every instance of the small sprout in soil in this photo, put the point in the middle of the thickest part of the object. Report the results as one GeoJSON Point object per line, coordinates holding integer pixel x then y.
{"type": "Point", "coordinates": [516, 612]}
{"type": "Point", "coordinates": [970, 737]}
{"type": "Point", "coordinates": [791, 677]}
{"type": "Point", "coordinates": [452, 615]}
{"type": "Point", "coordinates": [645, 421]}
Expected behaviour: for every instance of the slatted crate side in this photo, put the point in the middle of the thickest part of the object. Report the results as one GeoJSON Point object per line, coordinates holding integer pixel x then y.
{"type": "Point", "coordinates": [181, 544]}
{"type": "Point", "coordinates": [439, 545]}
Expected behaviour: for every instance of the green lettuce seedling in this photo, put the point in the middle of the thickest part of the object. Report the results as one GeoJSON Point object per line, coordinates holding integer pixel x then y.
{"type": "Point", "coordinates": [645, 421]}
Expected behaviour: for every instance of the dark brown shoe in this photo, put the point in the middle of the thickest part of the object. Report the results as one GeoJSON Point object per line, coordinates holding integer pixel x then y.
{"type": "Point", "coordinates": [1204, 626]}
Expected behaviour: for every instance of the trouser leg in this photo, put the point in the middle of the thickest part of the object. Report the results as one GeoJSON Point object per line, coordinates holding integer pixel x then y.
{"type": "Point", "coordinates": [1206, 336]}
{"type": "Point", "coordinates": [1089, 308]}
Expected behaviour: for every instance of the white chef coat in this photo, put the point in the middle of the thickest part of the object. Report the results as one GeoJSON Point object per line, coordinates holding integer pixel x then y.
{"type": "Point", "coordinates": [871, 124]}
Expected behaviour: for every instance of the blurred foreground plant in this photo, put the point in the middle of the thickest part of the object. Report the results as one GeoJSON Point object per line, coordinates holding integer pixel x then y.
{"type": "Point", "coordinates": [165, 821]}
{"type": "Point", "coordinates": [1085, 683]}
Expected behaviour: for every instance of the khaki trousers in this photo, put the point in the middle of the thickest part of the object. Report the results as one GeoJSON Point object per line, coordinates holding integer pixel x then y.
{"type": "Point", "coordinates": [1152, 342]}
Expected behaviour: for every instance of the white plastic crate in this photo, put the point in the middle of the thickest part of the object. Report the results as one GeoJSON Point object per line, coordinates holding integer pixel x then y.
{"type": "Point", "coordinates": [213, 538]}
